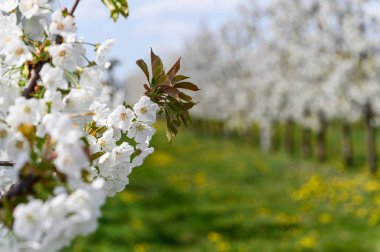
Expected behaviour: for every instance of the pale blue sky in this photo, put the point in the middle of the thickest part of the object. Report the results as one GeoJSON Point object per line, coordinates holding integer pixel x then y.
{"type": "Point", "coordinates": [161, 24]}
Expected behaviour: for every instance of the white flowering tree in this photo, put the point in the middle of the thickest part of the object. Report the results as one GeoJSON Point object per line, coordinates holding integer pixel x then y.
{"type": "Point", "coordinates": [63, 148]}
{"type": "Point", "coordinates": [309, 62]}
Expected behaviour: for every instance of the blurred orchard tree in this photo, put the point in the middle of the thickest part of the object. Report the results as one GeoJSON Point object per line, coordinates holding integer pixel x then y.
{"type": "Point", "coordinates": [305, 63]}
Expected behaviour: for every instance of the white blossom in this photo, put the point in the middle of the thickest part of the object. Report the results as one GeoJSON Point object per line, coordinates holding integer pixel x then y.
{"type": "Point", "coordinates": [53, 77]}
{"type": "Point", "coordinates": [53, 99]}
{"type": "Point", "coordinates": [123, 152]}
{"type": "Point", "coordinates": [101, 112]}
{"type": "Point", "coordinates": [146, 110]}
{"type": "Point", "coordinates": [103, 50]}
{"type": "Point", "coordinates": [8, 5]}
{"type": "Point", "coordinates": [67, 55]}
{"type": "Point", "coordinates": [30, 8]}
{"type": "Point", "coordinates": [107, 142]}
{"type": "Point", "coordinates": [141, 131]}
{"type": "Point", "coordinates": [71, 159]}
{"type": "Point", "coordinates": [17, 53]}
{"type": "Point", "coordinates": [139, 159]}
{"type": "Point", "coordinates": [30, 220]}
{"type": "Point", "coordinates": [121, 118]}
{"type": "Point", "coordinates": [64, 26]}
{"type": "Point", "coordinates": [24, 112]}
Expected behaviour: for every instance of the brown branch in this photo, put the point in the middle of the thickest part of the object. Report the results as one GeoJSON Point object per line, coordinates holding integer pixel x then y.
{"type": "Point", "coordinates": [23, 187]}
{"type": "Point", "coordinates": [32, 83]}
{"type": "Point", "coordinates": [74, 7]}
{"type": "Point", "coordinates": [6, 163]}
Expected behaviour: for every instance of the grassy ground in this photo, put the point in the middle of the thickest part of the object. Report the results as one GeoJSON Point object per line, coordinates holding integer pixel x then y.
{"type": "Point", "coordinates": [207, 194]}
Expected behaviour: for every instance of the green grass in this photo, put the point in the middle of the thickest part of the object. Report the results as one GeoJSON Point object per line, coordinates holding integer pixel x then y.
{"type": "Point", "coordinates": [206, 194]}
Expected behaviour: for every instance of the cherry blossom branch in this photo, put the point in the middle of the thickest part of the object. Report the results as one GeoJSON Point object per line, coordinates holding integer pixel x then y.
{"type": "Point", "coordinates": [26, 184]}
{"type": "Point", "coordinates": [35, 74]}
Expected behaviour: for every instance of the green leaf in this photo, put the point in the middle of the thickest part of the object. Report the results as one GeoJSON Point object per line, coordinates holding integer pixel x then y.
{"type": "Point", "coordinates": [187, 116]}
{"type": "Point", "coordinates": [144, 67]}
{"type": "Point", "coordinates": [179, 78]}
{"type": "Point", "coordinates": [188, 106]}
{"type": "Point", "coordinates": [157, 66]}
{"type": "Point", "coordinates": [185, 97]}
{"type": "Point", "coordinates": [177, 123]}
{"type": "Point", "coordinates": [97, 155]}
{"type": "Point", "coordinates": [184, 120]}
{"type": "Point", "coordinates": [171, 129]}
{"type": "Point", "coordinates": [176, 108]}
{"type": "Point", "coordinates": [117, 8]}
{"type": "Point", "coordinates": [187, 85]}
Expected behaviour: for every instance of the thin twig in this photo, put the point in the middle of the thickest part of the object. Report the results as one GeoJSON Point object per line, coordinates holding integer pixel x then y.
{"type": "Point", "coordinates": [74, 7]}
{"type": "Point", "coordinates": [6, 163]}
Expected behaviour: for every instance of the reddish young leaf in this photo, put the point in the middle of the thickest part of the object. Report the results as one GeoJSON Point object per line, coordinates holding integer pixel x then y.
{"type": "Point", "coordinates": [174, 70]}
{"type": "Point", "coordinates": [172, 91]}
{"type": "Point", "coordinates": [146, 87]}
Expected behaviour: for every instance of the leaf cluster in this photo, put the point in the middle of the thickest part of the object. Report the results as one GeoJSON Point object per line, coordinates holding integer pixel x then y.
{"type": "Point", "coordinates": [167, 90]}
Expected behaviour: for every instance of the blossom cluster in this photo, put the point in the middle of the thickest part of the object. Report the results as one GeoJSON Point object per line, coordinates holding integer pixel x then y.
{"type": "Point", "coordinates": [64, 149]}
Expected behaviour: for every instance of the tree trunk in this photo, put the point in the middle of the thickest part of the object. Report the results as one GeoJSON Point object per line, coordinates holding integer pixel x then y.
{"type": "Point", "coordinates": [214, 127]}
{"type": "Point", "coordinates": [321, 139]}
{"type": "Point", "coordinates": [195, 125]}
{"type": "Point", "coordinates": [276, 136]}
{"type": "Point", "coordinates": [266, 136]}
{"type": "Point", "coordinates": [371, 139]}
{"type": "Point", "coordinates": [202, 126]}
{"type": "Point", "coordinates": [289, 136]}
{"type": "Point", "coordinates": [255, 133]}
{"type": "Point", "coordinates": [306, 143]}
{"type": "Point", "coordinates": [347, 151]}
{"type": "Point", "coordinates": [209, 127]}
{"type": "Point", "coordinates": [220, 128]}
{"type": "Point", "coordinates": [225, 130]}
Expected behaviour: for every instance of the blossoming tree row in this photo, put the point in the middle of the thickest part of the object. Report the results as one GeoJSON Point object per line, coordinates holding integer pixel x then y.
{"type": "Point", "coordinates": [306, 62]}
